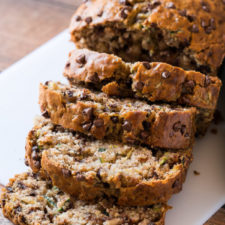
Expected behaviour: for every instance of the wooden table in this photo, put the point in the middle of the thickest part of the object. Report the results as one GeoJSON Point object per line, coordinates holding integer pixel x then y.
{"type": "Point", "coordinates": [26, 24]}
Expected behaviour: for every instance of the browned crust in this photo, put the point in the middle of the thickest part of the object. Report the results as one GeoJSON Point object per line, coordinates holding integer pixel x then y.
{"type": "Point", "coordinates": [162, 220]}
{"type": "Point", "coordinates": [161, 132]}
{"type": "Point", "coordinates": [28, 148]}
{"type": "Point", "coordinates": [184, 87]}
{"type": "Point", "coordinates": [144, 193]}
{"type": "Point", "coordinates": [158, 82]}
{"type": "Point", "coordinates": [109, 69]}
{"type": "Point", "coordinates": [10, 214]}
{"type": "Point", "coordinates": [201, 24]}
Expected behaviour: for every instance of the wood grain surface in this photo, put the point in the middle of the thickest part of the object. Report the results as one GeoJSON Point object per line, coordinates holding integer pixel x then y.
{"type": "Point", "coordinates": [26, 24]}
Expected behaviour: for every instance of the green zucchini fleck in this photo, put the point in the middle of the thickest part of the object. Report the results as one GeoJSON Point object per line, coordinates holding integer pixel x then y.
{"type": "Point", "coordinates": [55, 188]}
{"type": "Point", "coordinates": [50, 201]}
{"type": "Point", "coordinates": [101, 159]}
{"type": "Point", "coordinates": [65, 206]}
{"type": "Point", "coordinates": [40, 147]}
{"type": "Point", "coordinates": [60, 209]}
{"type": "Point", "coordinates": [163, 161]}
{"type": "Point", "coordinates": [102, 149]}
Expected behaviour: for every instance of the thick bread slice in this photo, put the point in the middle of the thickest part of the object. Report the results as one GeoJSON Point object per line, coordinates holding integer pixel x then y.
{"type": "Point", "coordinates": [150, 81]}
{"type": "Point", "coordinates": [99, 70]}
{"type": "Point", "coordinates": [188, 34]}
{"type": "Point", "coordinates": [133, 175]}
{"type": "Point", "coordinates": [30, 200]}
{"type": "Point", "coordinates": [127, 120]}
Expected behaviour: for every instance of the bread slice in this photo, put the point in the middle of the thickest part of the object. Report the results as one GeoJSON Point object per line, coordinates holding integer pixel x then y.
{"type": "Point", "coordinates": [30, 199]}
{"type": "Point", "coordinates": [127, 120]}
{"type": "Point", "coordinates": [183, 33]}
{"type": "Point", "coordinates": [150, 81]}
{"type": "Point", "coordinates": [89, 169]}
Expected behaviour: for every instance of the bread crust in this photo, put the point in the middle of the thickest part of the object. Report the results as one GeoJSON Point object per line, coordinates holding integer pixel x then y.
{"type": "Point", "coordinates": [156, 126]}
{"type": "Point", "coordinates": [155, 81]}
{"type": "Point", "coordinates": [87, 186]}
{"type": "Point", "coordinates": [109, 70]}
{"type": "Point", "coordinates": [41, 209]}
{"type": "Point", "coordinates": [193, 29]}
{"type": "Point", "coordinates": [145, 193]}
{"type": "Point", "coordinates": [149, 81]}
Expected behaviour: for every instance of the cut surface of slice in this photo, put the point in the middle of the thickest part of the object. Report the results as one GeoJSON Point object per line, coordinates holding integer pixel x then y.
{"type": "Point", "coordinates": [89, 169]}
{"type": "Point", "coordinates": [30, 199]}
{"type": "Point", "coordinates": [127, 120]}
{"type": "Point", "coordinates": [150, 81]}
{"type": "Point", "coordinates": [188, 34]}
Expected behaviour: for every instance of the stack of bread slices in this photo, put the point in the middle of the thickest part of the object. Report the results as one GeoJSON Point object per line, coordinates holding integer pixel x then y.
{"type": "Point", "coordinates": [115, 143]}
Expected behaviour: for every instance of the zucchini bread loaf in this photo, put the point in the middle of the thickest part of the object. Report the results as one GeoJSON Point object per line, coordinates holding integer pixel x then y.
{"type": "Point", "coordinates": [28, 199]}
{"type": "Point", "coordinates": [189, 33]}
{"type": "Point", "coordinates": [151, 81]}
{"type": "Point", "coordinates": [126, 120]}
{"type": "Point", "coordinates": [89, 169]}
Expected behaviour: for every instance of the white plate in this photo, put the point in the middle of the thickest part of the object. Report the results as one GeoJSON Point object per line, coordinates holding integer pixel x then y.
{"type": "Point", "coordinates": [201, 196]}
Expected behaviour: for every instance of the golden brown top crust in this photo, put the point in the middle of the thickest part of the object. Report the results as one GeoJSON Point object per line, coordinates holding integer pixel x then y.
{"type": "Point", "coordinates": [84, 64]}
{"type": "Point", "coordinates": [168, 83]}
{"type": "Point", "coordinates": [199, 24]}
{"type": "Point", "coordinates": [152, 81]}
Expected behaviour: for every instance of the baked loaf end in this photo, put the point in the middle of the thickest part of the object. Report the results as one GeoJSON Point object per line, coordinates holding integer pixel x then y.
{"type": "Point", "coordinates": [154, 81]}
{"type": "Point", "coordinates": [163, 82]}
{"type": "Point", "coordinates": [29, 199]}
{"type": "Point", "coordinates": [89, 169]}
{"type": "Point", "coordinates": [188, 33]}
{"type": "Point", "coordinates": [150, 81]}
{"type": "Point", "coordinates": [127, 120]}
{"type": "Point", "coordinates": [96, 70]}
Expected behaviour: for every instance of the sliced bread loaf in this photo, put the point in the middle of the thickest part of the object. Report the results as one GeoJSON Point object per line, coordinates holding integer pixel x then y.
{"type": "Point", "coordinates": [187, 33]}
{"type": "Point", "coordinates": [89, 169]}
{"type": "Point", "coordinates": [127, 120]}
{"type": "Point", "coordinates": [150, 81]}
{"type": "Point", "coordinates": [28, 199]}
